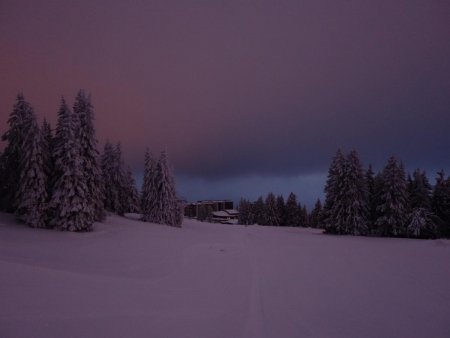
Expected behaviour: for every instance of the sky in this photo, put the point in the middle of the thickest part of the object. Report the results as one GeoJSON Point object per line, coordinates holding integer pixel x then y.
{"type": "Point", "coordinates": [246, 96]}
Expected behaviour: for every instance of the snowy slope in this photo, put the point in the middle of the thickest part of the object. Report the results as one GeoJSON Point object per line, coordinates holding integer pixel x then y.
{"type": "Point", "coordinates": [133, 279]}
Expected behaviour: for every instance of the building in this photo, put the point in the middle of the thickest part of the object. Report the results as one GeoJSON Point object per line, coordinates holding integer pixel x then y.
{"type": "Point", "coordinates": [227, 216]}
{"type": "Point", "coordinates": [203, 210]}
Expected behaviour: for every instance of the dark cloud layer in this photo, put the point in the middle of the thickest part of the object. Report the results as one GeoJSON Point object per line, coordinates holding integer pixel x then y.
{"type": "Point", "coordinates": [241, 88]}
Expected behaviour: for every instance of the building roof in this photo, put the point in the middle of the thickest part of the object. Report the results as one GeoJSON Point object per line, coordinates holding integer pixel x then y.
{"type": "Point", "coordinates": [225, 213]}
{"type": "Point", "coordinates": [221, 213]}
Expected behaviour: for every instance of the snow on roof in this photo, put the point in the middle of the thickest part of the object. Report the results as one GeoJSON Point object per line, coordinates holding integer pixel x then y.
{"type": "Point", "coordinates": [221, 213]}
{"type": "Point", "coordinates": [225, 213]}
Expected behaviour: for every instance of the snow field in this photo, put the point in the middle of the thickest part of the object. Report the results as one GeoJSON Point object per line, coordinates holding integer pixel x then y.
{"type": "Point", "coordinates": [134, 279]}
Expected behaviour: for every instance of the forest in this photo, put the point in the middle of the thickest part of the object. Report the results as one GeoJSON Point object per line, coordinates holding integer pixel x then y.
{"type": "Point", "coordinates": [60, 180]}
{"type": "Point", "coordinates": [360, 202]}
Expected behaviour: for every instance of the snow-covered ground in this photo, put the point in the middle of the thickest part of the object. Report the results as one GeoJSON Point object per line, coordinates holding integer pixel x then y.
{"type": "Point", "coordinates": [132, 279]}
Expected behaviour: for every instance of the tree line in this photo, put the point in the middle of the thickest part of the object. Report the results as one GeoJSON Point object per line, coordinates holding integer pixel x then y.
{"type": "Point", "coordinates": [389, 203]}
{"type": "Point", "coordinates": [359, 201]}
{"type": "Point", "coordinates": [273, 210]}
{"type": "Point", "coordinates": [60, 180]}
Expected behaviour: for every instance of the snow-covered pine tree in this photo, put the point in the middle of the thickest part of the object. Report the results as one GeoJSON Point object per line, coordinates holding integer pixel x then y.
{"type": "Point", "coordinates": [69, 205]}
{"type": "Point", "coordinates": [1, 174]}
{"type": "Point", "coordinates": [347, 214]}
{"type": "Point", "coordinates": [148, 191]}
{"type": "Point", "coordinates": [292, 212]}
{"type": "Point", "coordinates": [19, 122]}
{"type": "Point", "coordinates": [441, 203]}
{"type": "Point", "coordinates": [168, 209]}
{"type": "Point", "coordinates": [332, 189]}
{"type": "Point", "coordinates": [271, 210]}
{"type": "Point", "coordinates": [259, 211]}
{"type": "Point", "coordinates": [281, 208]}
{"type": "Point", "coordinates": [316, 214]}
{"type": "Point", "coordinates": [110, 194]}
{"type": "Point", "coordinates": [245, 212]}
{"type": "Point", "coordinates": [393, 204]}
{"type": "Point", "coordinates": [133, 202]}
{"type": "Point", "coordinates": [355, 197]}
{"type": "Point", "coordinates": [419, 190]}
{"type": "Point", "coordinates": [47, 138]}
{"type": "Point", "coordinates": [120, 180]}
{"type": "Point", "coordinates": [89, 154]}
{"type": "Point", "coordinates": [205, 213]}
{"type": "Point", "coordinates": [116, 191]}
{"type": "Point", "coordinates": [303, 212]}
{"type": "Point", "coordinates": [371, 198]}
{"type": "Point", "coordinates": [377, 200]}
{"type": "Point", "coordinates": [32, 186]}
{"type": "Point", "coordinates": [409, 188]}
{"type": "Point", "coordinates": [338, 214]}
{"type": "Point", "coordinates": [422, 224]}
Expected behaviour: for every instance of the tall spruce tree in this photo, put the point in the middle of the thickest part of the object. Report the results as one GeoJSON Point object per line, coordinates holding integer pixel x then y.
{"type": "Point", "coordinates": [371, 198]}
{"type": "Point", "coordinates": [422, 222]}
{"type": "Point", "coordinates": [110, 191]}
{"type": "Point", "coordinates": [19, 122]}
{"type": "Point", "coordinates": [392, 209]}
{"type": "Point", "coordinates": [246, 216]}
{"type": "Point", "coordinates": [133, 200]}
{"type": "Point", "coordinates": [303, 212]}
{"type": "Point", "coordinates": [356, 212]}
{"type": "Point", "coordinates": [32, 187]}
{"type": "Point", "coordinates": [165, 208]}
{"type": "Point", "coordinates": [316, 214]}
{"type": "Point", "coordinates": [419, 190]}
{"type": "Point", "coordinates": [376, 201]}
{"type": "Point", "coordinates": [89, 154]}
{"type": "Point", "coordinates": [47, 138]}
{"type": "Point", "coordinates": [70, 209]}
{"type": "Point", "coordinates": [332, 189]}
{"type": "Point", "coordinates": [281, 209]}
{"type": "Point", "coordinates": [259, 211]}
{"type": "Point", "coordinates": [169, 208]}
{"type": "Point", "coordinates": [120, 180]}
{"type": "Point", "coordinates": [346, 196]}
{"type": "Point", "coordinates": [441, 203]}
{"type": "Point", "coordinates": [292, 211]}
{"type": "Point", "coordinates": [1, 175]}
{"type": "Point", "coordinates": [116, 188]}
{"type": "Point", "coordinates": [271, 210]}
{"type": "Point", "coordinates": [148, 191]}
